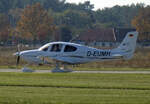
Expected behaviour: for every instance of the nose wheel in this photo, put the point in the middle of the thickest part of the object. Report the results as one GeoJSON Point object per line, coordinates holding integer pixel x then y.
{"type": "Point", "coordinates": [26, 69]}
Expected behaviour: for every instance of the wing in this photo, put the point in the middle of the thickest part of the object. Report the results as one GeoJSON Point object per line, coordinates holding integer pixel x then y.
{"type": "Point", "coordinates": [118, 56]}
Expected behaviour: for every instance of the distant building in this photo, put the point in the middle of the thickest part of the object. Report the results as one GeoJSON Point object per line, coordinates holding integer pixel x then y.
{"type": "Point", "coordinates": [121, 32]}
{"type": "Point", "coordinates": [103, 37]}
{"type": "Point", "coordinates": [98, 37]}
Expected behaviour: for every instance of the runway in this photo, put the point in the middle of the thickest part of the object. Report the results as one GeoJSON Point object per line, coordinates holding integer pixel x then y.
{"type": "Point", "coordinates": [104, 72]}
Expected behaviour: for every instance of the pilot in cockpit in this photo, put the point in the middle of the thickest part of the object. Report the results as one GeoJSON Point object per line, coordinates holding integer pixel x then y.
{"type": "Point", "coordinates": [56, 48]}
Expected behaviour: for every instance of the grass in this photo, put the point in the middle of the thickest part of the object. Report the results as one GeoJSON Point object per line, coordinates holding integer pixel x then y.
{"type": "Point", "coordinates": [74, 88]}
{"type": "Point", "coordinates": [78, 68]}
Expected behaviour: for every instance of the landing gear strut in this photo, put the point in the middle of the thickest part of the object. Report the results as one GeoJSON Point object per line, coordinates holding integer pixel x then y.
{"type": "Point", "coordinates": [59, 69]}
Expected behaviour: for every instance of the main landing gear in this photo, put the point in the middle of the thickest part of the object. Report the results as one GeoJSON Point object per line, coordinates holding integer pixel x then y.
{"type": "Point", "coordinates": [59, 69]}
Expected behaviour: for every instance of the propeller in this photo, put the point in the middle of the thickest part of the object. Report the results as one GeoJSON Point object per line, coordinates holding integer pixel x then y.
{"type": "Point", "coordinates": [18, 54]}
{"type": "Point", "coordinates": [18, 60]}
{"type": "Point", "coordinates": [76, 37]}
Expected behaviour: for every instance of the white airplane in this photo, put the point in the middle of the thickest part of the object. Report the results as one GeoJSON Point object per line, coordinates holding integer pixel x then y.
{"type": "Point", "coordinates": [71, 53]}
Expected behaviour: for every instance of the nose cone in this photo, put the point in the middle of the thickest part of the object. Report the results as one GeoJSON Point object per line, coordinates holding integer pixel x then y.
{"type": "Point", "coordinates": [17, 54]}
{"type": "Point", "coordinates": [28, 53]}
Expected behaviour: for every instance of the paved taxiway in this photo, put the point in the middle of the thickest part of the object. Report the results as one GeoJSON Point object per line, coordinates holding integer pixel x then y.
{"type": "Point", "coordinates": [109, 72]}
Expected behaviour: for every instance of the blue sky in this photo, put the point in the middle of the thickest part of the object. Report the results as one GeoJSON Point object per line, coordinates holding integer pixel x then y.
{"type": "Point", "coordinates": [110, 3]}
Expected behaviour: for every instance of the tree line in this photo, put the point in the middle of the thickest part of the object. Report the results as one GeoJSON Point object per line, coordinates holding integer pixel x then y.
{"type": "Point", "coordinates": [40, 21]}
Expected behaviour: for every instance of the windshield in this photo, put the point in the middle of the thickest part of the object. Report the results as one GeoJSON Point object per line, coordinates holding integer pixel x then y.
{"type": "Point", "coordinates": [44, 48]}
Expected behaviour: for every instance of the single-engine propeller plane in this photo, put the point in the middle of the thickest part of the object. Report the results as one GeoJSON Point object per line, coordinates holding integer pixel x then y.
{"type": "Point", "coordinates": [72, 53]}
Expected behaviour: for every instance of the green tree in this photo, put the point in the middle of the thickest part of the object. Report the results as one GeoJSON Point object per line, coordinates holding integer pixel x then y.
{"type": "Point", "coordinates": [73, 18]}
{"type": "Point", "coordinates": [117, 16]}
{"type": "Point", "coordinates": [14, 15]}
{"type": "Point", "coordinates": [66, 34]}
{"type": "Point", "coordinates": [87, 6]}
{"type": "Point", "coordinates": [56, 5]}
{"type": "Point", "coordinates": [6, 5]}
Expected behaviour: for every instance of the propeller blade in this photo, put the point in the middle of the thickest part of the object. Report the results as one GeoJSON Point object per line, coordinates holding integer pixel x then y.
{"type": "Point", "coordinates": [18, 59]}
{"type": "Point", "coordinates": [18, 54]}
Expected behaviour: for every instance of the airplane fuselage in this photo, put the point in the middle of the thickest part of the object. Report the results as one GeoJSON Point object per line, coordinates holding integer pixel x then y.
{"type": "Point", "coordinates": [82, 54]}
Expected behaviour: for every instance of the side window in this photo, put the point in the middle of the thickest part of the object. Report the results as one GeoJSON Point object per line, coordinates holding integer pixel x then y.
{"type": "Point", "coordinates": [56, 48]}
{"type": "Point", "coordinates": [69, 48]}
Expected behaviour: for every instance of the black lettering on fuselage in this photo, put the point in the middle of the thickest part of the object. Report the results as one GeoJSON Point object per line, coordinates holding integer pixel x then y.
{"type": "Point", "coordinates": [98, 53]}
{"type": "Point", "coordinates": [88, 53]}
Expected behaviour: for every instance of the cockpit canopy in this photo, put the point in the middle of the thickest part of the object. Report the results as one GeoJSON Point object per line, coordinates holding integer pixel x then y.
{"type": "Point", "coordinates": [58, 47]}
{"type": "Point", "coordinates": [44, 48]}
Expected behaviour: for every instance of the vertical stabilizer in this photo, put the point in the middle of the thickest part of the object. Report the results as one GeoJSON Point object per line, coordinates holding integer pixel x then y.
{"type": "Point", "coordinates": [128, 44]}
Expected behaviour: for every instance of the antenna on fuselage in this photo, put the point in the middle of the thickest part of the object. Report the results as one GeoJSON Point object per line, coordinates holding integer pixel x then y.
{"type": "Point", "coordinates": [77, 36]}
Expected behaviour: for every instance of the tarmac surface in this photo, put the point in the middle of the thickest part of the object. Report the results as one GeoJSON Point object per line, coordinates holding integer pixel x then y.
{"type": "Point", "coordinates": [107, 72]}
